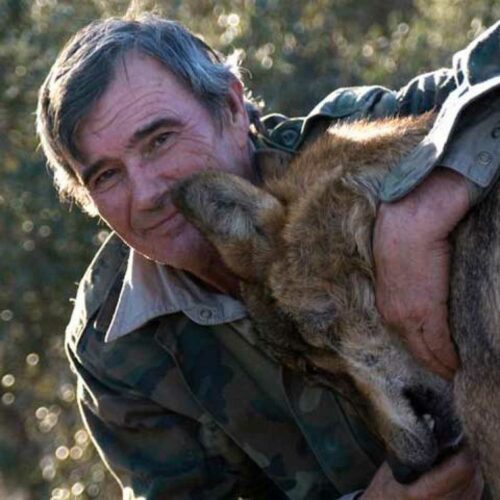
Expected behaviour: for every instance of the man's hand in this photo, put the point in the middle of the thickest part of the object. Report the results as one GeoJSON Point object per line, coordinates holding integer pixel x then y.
{"type": "Point", "coordinates": [457, 478]}
{"type": "Point", "coordinates": [412, 260]}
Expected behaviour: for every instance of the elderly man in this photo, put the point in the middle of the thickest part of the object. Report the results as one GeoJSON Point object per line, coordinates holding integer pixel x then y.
{"type": "Point", "coordinates": [177, 397]}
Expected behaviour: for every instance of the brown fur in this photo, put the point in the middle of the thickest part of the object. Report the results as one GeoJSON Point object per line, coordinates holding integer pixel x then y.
{"type": "Point", "coordinates": [301, 244]}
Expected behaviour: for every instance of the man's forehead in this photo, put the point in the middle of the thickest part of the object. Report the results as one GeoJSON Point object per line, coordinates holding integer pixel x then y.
{"type": "Point", "coordinates": [140, 88]}
{"type": "Point", "coordinates": [135, 67]}
{"type": "Point", "coordinates": [135, 76]}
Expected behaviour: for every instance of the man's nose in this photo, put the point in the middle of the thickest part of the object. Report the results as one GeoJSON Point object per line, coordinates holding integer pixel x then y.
{"type": "Point", "coordinates": [147, 189]}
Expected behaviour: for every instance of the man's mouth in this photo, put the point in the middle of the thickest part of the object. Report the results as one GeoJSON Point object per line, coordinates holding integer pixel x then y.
{"type": "Point", "coordinates": [161, 223]}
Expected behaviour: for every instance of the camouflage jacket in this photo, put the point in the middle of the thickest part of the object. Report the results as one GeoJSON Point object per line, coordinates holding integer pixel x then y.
{"type": "Point", "coordinates": [182, 409]}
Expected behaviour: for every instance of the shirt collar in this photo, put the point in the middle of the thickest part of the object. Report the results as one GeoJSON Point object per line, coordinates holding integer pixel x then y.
{"type": "Point", "coordinates": [151, 290]}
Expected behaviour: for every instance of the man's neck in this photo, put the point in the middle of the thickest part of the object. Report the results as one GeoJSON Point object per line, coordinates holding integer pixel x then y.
{"type": "Point", "coordinates": [214, 273]}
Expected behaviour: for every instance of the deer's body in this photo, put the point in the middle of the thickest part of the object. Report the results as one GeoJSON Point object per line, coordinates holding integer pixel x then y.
{"type": "Point", "coordinates": [301, 244]}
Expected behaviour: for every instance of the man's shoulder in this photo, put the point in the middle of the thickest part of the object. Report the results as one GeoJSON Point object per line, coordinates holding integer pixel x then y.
{"type": "Point", "coordinates": [123, 365]}
{"type": "Point", "coordinates": [99, 281]}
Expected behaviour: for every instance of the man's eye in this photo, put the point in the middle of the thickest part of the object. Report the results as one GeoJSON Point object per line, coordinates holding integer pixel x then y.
{"type": "Point", "coordinates": [104, 178]}
{"type": "Point", "coordinates": [159, 140]}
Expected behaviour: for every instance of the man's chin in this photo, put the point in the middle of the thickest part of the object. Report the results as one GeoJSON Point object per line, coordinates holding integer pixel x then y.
{"type": "Point", "coordinates": [187, 251]}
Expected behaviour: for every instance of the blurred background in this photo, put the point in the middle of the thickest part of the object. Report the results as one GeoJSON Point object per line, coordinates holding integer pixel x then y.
{"type": "Point", "coordinates": [295, 52]}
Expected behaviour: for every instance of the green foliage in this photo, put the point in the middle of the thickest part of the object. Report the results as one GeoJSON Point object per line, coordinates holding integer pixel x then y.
{"type": "Point", "coordinates": [295, 51]}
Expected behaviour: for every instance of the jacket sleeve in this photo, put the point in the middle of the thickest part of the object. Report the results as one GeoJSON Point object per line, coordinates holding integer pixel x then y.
{"type": "Point", "coordinates": [154, 451]}
{"type": "Point", "coordinates": [424, 93]}
{"type": "Point", "coordinates": [465, 135]}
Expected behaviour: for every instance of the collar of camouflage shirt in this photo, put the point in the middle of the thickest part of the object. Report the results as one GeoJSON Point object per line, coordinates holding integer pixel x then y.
{"type": "Point", "coordinates": [151, 290]}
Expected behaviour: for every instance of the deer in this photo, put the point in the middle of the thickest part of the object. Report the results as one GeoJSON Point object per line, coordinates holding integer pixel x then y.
{"type": "Point", "coordinates": [300, 241]}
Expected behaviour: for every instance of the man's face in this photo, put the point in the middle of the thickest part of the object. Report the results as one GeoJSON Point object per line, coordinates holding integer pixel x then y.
{"type": "Point", "coordinates": [145, 133]}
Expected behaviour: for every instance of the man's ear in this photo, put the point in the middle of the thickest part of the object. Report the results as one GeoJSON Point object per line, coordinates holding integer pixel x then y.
{"type": "Point", "coordinates": [239, 219]}
{"type": "Point", "coordinates": [237, 114]}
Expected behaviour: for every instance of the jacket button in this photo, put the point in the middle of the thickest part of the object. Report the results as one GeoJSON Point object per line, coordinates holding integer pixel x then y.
{"type": "Point", "coordinates": [289, 137]}
{"type": "Point", "coordinates": [484, 158]}
{"type": "Point", "coordinates": [205, 314]}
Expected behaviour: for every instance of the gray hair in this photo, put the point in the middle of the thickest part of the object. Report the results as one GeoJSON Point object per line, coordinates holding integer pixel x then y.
{"type": "Point", "coordinates": [85, 68]}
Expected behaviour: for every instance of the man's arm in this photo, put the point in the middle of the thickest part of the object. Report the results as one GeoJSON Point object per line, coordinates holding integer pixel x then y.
{"type": "Point", "coordinates": [424, 203]}
{"type": "Point", "coordinates": [157, 453]}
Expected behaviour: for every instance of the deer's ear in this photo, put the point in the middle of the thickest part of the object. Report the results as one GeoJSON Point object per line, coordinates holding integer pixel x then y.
{"type": "Point", "coordinates": [239, 219]}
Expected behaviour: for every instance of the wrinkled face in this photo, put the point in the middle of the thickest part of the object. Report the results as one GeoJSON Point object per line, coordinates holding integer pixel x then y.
{"type": "Point", "coordinates": [144, 133]}
{"type": "Point", "coordinates": [318, 317]}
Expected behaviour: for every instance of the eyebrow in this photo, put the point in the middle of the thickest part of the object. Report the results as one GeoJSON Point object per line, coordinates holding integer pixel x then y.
{"type": "Point", "coordinates": [139, 135]}
{"type": "Point", "coordinates": [150, 128]}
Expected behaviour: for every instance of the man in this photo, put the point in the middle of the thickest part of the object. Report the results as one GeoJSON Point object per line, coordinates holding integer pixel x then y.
{"type": "Point", "coordinates": [178, 399]}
